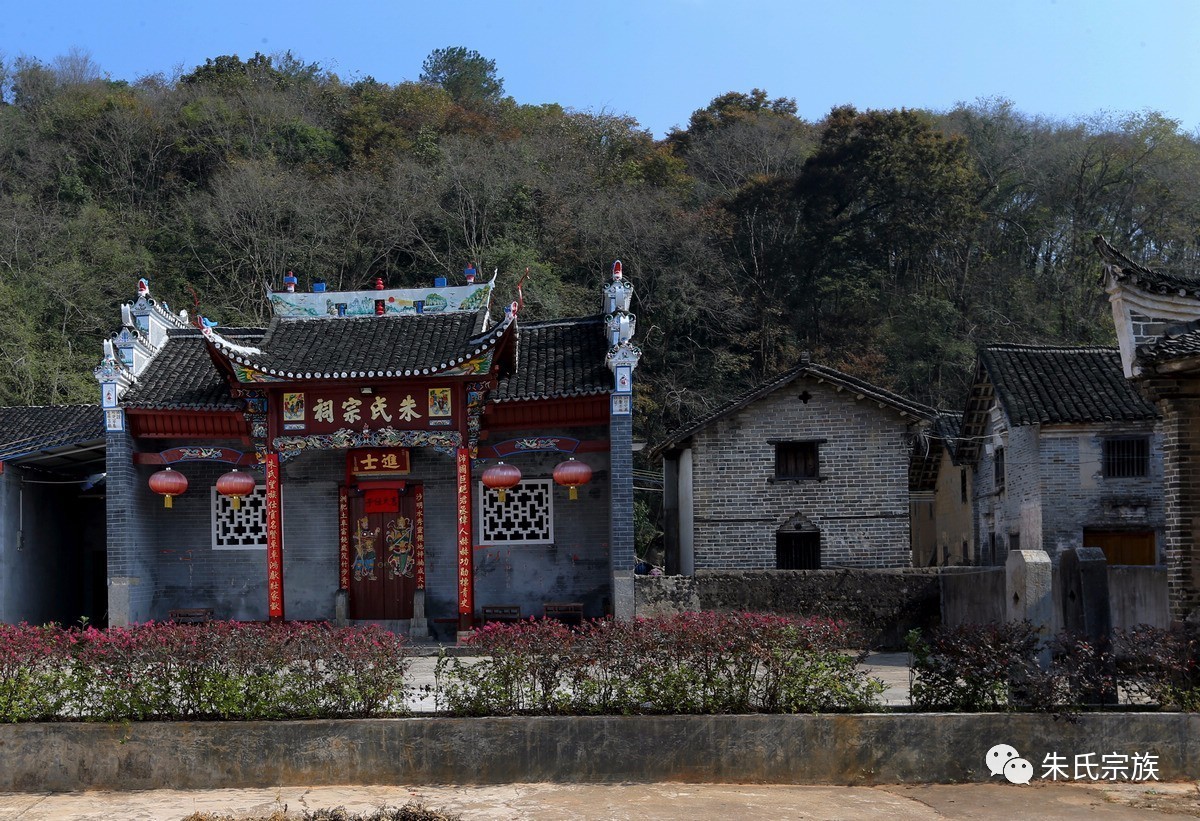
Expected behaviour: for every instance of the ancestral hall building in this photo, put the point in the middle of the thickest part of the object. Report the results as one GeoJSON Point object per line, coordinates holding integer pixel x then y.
{"type": "Point", "coordinates": [368, 421]}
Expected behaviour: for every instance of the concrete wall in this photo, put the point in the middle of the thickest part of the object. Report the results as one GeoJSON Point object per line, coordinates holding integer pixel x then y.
{"type": "Point", "coordinates": [753, 749]}
{"type": "Point", "coordinates": [1136, 595]}
{"type": "Point", "coordinates": [860, 503]}
{"type": "Point", "coordinates": [882, 604]}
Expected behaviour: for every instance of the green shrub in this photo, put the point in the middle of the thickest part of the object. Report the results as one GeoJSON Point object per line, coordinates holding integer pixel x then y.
{"type": "Point", "coordinates": [690, 663]}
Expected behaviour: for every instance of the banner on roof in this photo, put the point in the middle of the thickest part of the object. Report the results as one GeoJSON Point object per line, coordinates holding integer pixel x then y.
{"type": "Point", "coordinates": [467, 298]}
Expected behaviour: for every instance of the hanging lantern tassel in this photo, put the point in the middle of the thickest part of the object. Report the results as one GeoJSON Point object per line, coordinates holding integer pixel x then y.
{"type": "Point", "coordinates": [500, 477]}
{"type": "Point", "coordinates": [169, 483]}
{"type": "Point", "coordinates": [572, 474]}
{"type": "Point", "coordinates": [235, 485]}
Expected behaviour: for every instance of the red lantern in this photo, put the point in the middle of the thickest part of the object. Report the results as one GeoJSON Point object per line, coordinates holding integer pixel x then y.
{"type": "Point", "coordinates": [572, 474]}
{"type": "Point", "coordinates": [169, 483]}
{"type": "Point", "coordinates": [235, 485]}
{"type": "Point", "coordinates": [500, 477]}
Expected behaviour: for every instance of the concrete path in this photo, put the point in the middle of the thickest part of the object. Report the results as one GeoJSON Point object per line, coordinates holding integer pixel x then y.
{"type": "Point", "coordinates": [639, 801]}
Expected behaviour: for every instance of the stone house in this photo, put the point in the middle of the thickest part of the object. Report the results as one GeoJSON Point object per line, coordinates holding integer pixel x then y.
{"type": "Point", "coordinates": [1157, 317]}
{"type": "Point", "coordinates": [1065, 453]}
{"type": "Point", "coordinates": [808, 470]}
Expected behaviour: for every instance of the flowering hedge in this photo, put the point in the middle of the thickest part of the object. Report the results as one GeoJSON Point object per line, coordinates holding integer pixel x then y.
{"type": "Point", "coordinates": [219, 670]}
{"type": "Point", "coordinates": [690, 663]}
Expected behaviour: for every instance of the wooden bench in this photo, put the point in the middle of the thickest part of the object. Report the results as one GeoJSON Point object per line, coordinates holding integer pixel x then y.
{"type": "Point", "coordinates": [507, 613]}
{"type": "Point", "coordinates": [568, 612]}
{"type": "Point", "coordinates": [191, 615]}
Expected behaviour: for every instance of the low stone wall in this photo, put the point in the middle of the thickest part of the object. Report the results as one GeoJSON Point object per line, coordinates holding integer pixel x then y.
{"type": "Point", "coordinates": [883, 604]}
{"type": "Point", "coordinates": [973, 595]}
{"type": "Point", "coordinates": [765, 749]}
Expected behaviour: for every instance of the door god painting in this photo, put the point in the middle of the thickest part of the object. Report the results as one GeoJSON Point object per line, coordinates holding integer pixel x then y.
{"type": "Point", "coordinates": [399, 539]}
{"type": "Point", "coordinates": [364, 550]}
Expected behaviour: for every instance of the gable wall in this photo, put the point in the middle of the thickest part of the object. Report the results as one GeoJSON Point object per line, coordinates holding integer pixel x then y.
{"type": "Point", "coordinates": [861, 506]}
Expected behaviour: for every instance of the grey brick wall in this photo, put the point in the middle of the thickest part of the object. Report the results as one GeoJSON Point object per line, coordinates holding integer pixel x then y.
{"type": "Point", "coordinates": [860, 504]}
{"type": "Point", "coordinates": [574, 568]}
{"type": "Point", "coordinates": [1055, 488]}
{"type": "Point", "coordinates": [177, 567]}
{"type": "Point", "coordinates": [132, 534]}
{"type": "Point", "coordinates": [1181, 492]}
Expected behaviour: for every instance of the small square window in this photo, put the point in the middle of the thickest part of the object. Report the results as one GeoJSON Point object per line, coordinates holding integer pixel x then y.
{"type": "Point", "coordinates": [1127, 458]}
{"type": "Point", "coordinates": [797, 460]}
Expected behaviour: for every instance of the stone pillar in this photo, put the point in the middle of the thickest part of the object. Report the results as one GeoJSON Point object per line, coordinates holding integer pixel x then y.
{"type": "Point", "coordinates": [1083, 574]}
{"type": "Point", "coordinates": [620, 529]}
{"type": "Point", "coordinates": [419, 625]}
{"type": "Point", "coordinates": [341, 608]}
{"type": "Point", "coordinates": [1028, 579]}
{"type": "Point", "coordinates": [687, 516]}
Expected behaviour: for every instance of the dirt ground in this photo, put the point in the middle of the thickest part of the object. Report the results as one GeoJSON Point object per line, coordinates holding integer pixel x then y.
{"type": "Point", "coordinates": [637, 801]}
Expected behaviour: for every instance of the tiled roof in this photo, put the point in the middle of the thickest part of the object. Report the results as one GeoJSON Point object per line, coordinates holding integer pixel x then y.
{"type": "Point", "coordinates": [182, 374]}
{"type": "Point", "coordinates": [1183, 345]}
{"type": "Point", "coordinates": [1126, 270]}
{"type": "Point", "coordinates": [366, 346]}
{"type": "Point", "coordinates": [854, 385]}
{"type": "Point", "coordinates": [557, 359]}
{"type": "Point", "coordinates": [1062, 385]}
{"type": "Point", "coordinates": [33, 428]}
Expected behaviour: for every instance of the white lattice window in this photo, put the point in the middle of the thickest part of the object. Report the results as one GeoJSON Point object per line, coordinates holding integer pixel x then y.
{"type": "Point", "coordinates": [525, 517]}
{"type": "Point", "coordinates": [242, 529]}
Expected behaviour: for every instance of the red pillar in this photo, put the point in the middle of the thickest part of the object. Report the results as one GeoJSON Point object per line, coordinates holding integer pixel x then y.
{"type": "Point", "coordinates": [274, 541]}
{"type": "Point", "coordinates": [466, 570]}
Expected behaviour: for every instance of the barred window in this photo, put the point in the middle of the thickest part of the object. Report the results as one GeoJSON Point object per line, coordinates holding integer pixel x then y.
{"type": "Point", "coordinates": [242, 529]}
{"type": "Point", "coordinates": [1127, 457]}
{"type": "Point", "coordinates": [797, 460]}
{"type": "Point", "coordinates": [799, 550]}
{"type": "Point", "coordinates": [998, 469]}
{"type": "Point", "coordinates": [526, 516]}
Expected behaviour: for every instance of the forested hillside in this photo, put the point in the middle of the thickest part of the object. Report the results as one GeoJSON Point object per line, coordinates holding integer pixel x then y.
{"type": "Point", "coordinates": [889, 243]}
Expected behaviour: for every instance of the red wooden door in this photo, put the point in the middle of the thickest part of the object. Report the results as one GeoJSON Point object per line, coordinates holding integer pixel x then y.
{"type": "Point", "coordinates": [382, 561]}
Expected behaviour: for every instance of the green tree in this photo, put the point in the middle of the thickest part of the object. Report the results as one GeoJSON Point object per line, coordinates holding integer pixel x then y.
{"type": "Point", "coordinates": [467, 76]}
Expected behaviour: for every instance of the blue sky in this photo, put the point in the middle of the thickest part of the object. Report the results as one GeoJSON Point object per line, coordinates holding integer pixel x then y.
{"type": "Point", "coordinates": [659, 60]}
